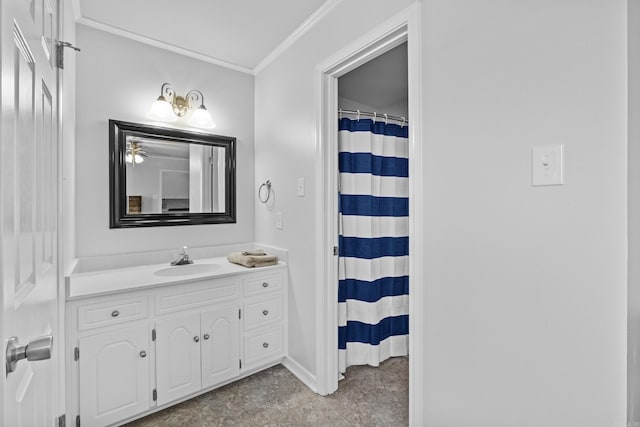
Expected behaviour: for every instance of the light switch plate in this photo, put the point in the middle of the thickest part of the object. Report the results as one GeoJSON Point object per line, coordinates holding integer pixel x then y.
{"type": "Point", "coordinates": [547, 165]}
{"type": "Point", "coordinates": [300, 187]}
{"type": "Point", "coordinates": [279, 220]}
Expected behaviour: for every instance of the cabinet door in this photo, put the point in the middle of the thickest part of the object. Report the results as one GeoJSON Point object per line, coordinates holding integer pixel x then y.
{"type": "Point", "coordinates": [178, 357]}
{"type": "Point", "coordinates": [220, 345]}
{"type": "Point", "coordinates": [114, 375]}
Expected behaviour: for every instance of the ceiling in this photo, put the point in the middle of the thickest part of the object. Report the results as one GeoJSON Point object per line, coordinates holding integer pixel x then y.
{"type": "Point", "coordinates": [381, 82]}
{"type": "Point", "coordinates": [237, 33]}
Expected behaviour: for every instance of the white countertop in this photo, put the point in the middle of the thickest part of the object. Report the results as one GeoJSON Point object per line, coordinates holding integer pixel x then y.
{"type": "Point", "coordinates": [95, 283]}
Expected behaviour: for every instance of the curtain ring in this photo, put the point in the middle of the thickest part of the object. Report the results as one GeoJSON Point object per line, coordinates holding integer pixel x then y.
{"type": "Point", "coordinates": [358, 115]}
{"type": "Point", "coordinates": [403, 120]}
{"type": "Point", "coordinates": [266, 184]}
{"type": "Point", "coordinates": [374, 116]}
{"type": "Point", "coordinates": [339, 113]}
{"type": "Point", "coordinates": [386, 119]}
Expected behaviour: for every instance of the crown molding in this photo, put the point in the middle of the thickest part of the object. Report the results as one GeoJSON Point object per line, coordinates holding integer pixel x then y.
{"type": "Point", "coordinates": [309, 23]}
{"type": "Point", "coordinates": [159, 44]}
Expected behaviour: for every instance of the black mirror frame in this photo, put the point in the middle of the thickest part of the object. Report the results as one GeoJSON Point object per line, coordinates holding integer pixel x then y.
{"type": "Point", "coordinates": [119, 218]}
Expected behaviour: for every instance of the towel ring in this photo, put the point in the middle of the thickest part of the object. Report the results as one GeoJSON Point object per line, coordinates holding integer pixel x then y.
{"type": "Point", "coordinates": [266, 185]}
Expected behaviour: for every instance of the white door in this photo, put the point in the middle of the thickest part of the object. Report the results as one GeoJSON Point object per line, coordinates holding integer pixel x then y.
{"type": "Point", "coordinates": [28, 207]}
{"type": "Point", "coordinates": [178, 357]}
{"type": "Point", "coordinates": [114, 375]}
{"type": "Point", "coordinates": [220, 345]}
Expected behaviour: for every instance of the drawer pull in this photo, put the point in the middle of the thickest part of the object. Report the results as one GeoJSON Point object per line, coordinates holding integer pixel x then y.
{"type": "Point", "coordinates": [265, 285]}
{"type": "Point", "coordinates": [115, 313]}
{"type": "Point", "coordinates": [196, 338]}
{"type": "Point", "coordinates": [265, 312]}
{"type": "Point", "coordinates": [265, 344]}
{"type": "Point", "coordinates": [205, 336]}
{"type": "Point", "coordinates": [143, 353]}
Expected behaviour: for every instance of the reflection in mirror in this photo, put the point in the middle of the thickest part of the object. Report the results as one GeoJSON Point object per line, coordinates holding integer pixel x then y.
{"type": "Point", "coordinates": [170, 176]}
{"type": "Point", "coordinates": [166, 176]}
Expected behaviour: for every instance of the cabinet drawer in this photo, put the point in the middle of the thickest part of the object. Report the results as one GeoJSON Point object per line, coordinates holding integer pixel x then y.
{"type": "Point", "coordinates": [112, 312]}
{"type": "Point", "coordinates": [262, 284]}
{"type": "Point", "coordinates": [208, 292]}
{"type": "Point", "coordinates": [262, 312]}
{"type": "Point", "coordinates": [262, 346]}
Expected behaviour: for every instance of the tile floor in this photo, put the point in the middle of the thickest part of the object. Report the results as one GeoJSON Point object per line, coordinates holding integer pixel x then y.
{"type": "Point", "coordinates": [274, 397]}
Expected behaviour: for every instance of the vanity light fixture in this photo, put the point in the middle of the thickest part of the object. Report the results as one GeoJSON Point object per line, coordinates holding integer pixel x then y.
{"type": "Point", "coordinates": [134, 154]}
{"type": "Point", "coordinates": [169, 107]}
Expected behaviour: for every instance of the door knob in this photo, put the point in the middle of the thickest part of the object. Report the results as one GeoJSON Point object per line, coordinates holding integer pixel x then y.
{"type": "Point", "coordinates": [38, 349]}
{"type": "Point", "coordinates": [196, 338]}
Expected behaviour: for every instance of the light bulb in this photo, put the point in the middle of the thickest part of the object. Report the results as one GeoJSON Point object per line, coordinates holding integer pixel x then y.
{"type": "Point", "coordinates": [128, 158]}
{"type": "Point", "coordinates": [161, 111]}
{"type": "Point", "coordinates": [138, 158]}
{"type": "Point", "coordinates": [201, 118]}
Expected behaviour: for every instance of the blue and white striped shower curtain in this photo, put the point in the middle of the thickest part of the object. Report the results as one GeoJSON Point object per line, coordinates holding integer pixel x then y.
{"type": "Point", "coordinates": [373, 288]}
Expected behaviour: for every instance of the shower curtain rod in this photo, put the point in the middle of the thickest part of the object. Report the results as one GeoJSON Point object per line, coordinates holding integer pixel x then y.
{"type": "Point", "coordinates": [375, 115]}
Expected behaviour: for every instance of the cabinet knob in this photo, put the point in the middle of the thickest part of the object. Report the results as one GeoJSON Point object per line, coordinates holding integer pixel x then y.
{"type": "Point", "coordinates": [265, 285]}
{"type": "Point", "coordinates": [265, 312]}
{"type": "Point", "coordinates": [143, 353]}
{"type": "Point", "coordinates": [265, 344]}
{"type": "Point", "coordinates": [205, 336]}
{"type": "Point", "coordinates": [196, 338]}
{"type": "Point", "coordinates": [115, 313]}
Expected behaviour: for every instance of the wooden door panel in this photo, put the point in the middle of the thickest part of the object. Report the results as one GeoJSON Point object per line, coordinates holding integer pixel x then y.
{"type": "Point", "coordinates": [29, 185]}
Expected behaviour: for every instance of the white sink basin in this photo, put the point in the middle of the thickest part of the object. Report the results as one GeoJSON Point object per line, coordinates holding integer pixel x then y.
{"type": "Point", "coordinates": [185, 270]}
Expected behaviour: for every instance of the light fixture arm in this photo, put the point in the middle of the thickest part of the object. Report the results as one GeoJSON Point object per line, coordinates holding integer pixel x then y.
{"type": "Point", "coordinates": [195, 99]}
{"type": "Point", "coordinates": [167, 92]}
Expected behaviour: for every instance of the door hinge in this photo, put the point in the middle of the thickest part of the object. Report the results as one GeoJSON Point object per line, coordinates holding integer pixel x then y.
{"type": "Point", "coordinates": [335, 250]}
{"type": "Point", "coordinates": [60, 52]}
{"type": "Point", "coordinates": [240, 363]}
{"type": "Point", "coordinates": [239, 313]}
{"type": "Point", "coordinates": [155, 394]}
{"type": "Point", "coordinates": [62, 422]}
{"type": "Point", "coordinates": [153, 335]}
{"type": "Point", "coordinates": [76, 354]}
{"type": "Point", "coordinates": [78, 421]}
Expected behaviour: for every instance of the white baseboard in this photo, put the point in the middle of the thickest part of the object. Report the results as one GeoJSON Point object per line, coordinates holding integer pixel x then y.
{"type": "Point", "coordinates": [301, 373]}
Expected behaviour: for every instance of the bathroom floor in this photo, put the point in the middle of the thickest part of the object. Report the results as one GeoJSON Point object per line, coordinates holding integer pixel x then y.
{"type": "Point", "coordinates": [366, 397]}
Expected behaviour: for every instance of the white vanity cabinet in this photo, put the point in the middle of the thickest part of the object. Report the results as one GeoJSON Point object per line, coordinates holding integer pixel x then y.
{"type": "Point", "coordinates": [115, 371]}
{"type": "Point", "coordinates": [196, 351]}
{"type": "Point", "coordinates": [134, 351]}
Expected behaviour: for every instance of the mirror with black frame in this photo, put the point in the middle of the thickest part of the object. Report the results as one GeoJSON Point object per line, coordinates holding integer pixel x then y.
{"type": "Point", "coordinates": [165, 176]}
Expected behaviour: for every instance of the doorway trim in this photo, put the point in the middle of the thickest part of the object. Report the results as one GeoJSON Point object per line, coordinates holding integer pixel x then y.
{"type": "Point", "coordinates": [403, 27]}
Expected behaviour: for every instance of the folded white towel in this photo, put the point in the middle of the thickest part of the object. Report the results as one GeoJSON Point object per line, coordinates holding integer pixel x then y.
{"type": "Point", "coordinates": [252, 260]}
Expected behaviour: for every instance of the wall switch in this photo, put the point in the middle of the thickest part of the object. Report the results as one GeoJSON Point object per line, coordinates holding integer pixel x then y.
{"type": "Point", "coordinates": [300, 188]}
{"type": "Point", "coordinates": [279, 220]}
{"type": "Point", "coordinates": [547, 165]}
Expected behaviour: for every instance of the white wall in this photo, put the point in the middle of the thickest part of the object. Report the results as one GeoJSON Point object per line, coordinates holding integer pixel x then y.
{"type": "Point", "coordinates": [119, 79]}
{"type": "Point", "coordinates": [286, 150]}
{"type": "Point", "coordinates": [525, 301]}
{"type": "Point", "coordinates": [634, 213]}
{"type": "Point", "coordinates": [526, 295]}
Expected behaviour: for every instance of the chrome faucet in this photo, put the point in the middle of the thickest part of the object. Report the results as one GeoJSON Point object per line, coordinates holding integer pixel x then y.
{"type": "Point", "coordinates": [183, 258]}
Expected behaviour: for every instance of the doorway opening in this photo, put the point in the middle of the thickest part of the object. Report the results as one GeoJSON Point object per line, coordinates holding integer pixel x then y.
{"type": "Point", "coordinates": [373, 212]}
{"type": "Point", "coordinates": [400, 29]}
